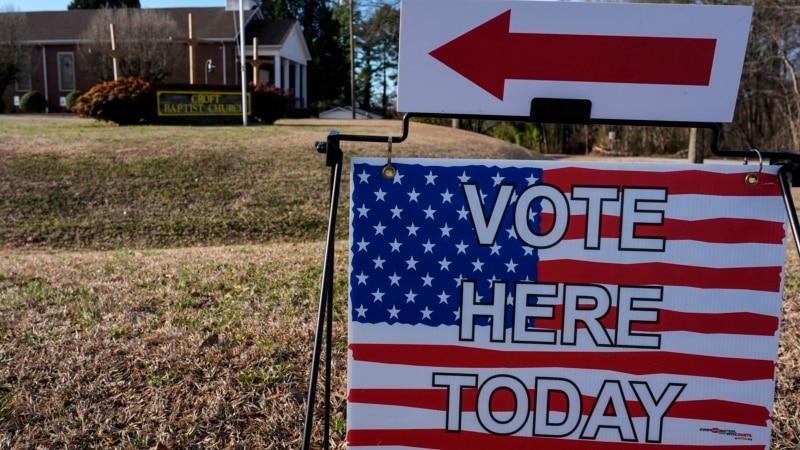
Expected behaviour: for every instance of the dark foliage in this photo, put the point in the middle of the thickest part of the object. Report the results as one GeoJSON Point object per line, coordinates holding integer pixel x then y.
{"type": "Point", "coordinates": [72, 97]}
{"type": "Point", "coordinates": [125, 101]}
{"type": "Point", "coordinates": [97, 4]}
{"type": "Point", "coordinates": [270, 103]}
{"type": "Point", "coordinates": [33, 102]}
{"type": "Point", "coordinates": [327, 71]}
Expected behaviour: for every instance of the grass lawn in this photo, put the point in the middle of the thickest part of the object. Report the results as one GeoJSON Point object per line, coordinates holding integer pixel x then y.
{"type": "Point", "coordinates": [158, 285]}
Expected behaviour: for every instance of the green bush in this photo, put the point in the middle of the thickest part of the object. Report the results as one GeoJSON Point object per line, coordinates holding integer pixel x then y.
{"type": "Point", "coordinates": [33, 102]}
{"type": "Point", "coordinates": [72, 97]}
{"type": "Point", "coordinates": [125, 101]}
{"type": "Point", "coordinates": [270, 103]}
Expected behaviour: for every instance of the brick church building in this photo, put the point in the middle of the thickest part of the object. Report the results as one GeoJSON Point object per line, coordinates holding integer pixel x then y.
{"type": "Point", "coordinates": [50, 62]}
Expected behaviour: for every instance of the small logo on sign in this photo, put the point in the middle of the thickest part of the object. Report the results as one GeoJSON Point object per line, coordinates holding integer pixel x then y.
{"type": "Point", "coordinates": [732, 433]}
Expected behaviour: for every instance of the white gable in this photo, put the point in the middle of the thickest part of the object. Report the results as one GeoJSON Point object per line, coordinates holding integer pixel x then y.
{"type": "Point", "coordinates": [294, 46]}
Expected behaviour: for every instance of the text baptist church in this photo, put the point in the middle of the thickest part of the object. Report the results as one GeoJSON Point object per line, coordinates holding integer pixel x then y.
{"type": "Point", "coordinates": [50, 62]}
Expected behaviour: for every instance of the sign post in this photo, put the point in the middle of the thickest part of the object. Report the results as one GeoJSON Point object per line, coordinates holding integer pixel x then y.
{"type": "Point", "coordinates": [230, 5]}
{"type": "Point", "coordinates": [530, 304]}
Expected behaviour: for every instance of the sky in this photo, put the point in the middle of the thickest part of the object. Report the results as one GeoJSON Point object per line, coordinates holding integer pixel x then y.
{"type": "Point", "coordinates": [61, 5]}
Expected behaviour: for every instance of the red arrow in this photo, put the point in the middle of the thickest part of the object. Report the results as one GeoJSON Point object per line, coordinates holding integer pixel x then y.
{"type": "Point", "coordinates": [489, 54]}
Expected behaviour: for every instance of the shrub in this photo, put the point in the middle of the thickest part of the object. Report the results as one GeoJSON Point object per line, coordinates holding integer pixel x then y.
{"type": "Point", "coordinates": [125, 101]}
{"type": "Point", "coordinates": [72, 97]}
{"type": "Point", "coordinates": [33, 102]}
{"type": "Point", "coordinates": [270, 103]}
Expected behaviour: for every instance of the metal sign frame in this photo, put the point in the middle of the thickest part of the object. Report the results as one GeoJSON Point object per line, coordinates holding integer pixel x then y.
{"type": "Point", "coordinates": [543, 110]}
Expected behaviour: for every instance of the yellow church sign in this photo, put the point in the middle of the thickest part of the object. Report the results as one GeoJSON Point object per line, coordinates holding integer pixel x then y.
{"type": "Point", "coordinates": [200, 103]}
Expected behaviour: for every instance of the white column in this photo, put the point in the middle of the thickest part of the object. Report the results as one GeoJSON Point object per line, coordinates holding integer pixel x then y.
{"type": "Point", "coordinates": [298, 93]}
{"type": "Point", "coordinates": [46, 78]}
{"type": "Point", "coordinates": [278, 72]}
{"type": "Point", "coordinates": [286, 78]}
{"type": "Point", "coordinates": [305, 86]}
{"type": "Point", "coordinates": [224, 63]}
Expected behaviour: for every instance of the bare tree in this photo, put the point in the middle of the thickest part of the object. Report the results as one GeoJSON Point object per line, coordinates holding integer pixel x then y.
{"type": "Point", "coordinates": [142, 43]}
{"type": "Point", "coordinates": [11, 26]}
{"type": "Point", "coordinates": [768, 109]}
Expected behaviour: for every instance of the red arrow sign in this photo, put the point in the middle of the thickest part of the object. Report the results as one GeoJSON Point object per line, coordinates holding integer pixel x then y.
{"type": "Point", "coordinates": [490, 54]}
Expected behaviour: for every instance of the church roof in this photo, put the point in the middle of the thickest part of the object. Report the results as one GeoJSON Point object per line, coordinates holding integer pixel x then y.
{"type": "Point", "coordinates": [207, 24]}
{"type": "Point", "coordinates": [272, 32]}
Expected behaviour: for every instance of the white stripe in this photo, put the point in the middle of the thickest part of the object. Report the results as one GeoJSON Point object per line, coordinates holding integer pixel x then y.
{"type": "Point", "coordinates": [720, 345]}
{"type": "Point", "coordinates": [688, 253]}
{"type": "Point", "coordinates": [697, 300]}
{"type": "Point", "coordinates": [698, 207]}
{"type": "Point", "coordinates": [371, 417]}
{"type": "Point", "coordinates": [685, 207]}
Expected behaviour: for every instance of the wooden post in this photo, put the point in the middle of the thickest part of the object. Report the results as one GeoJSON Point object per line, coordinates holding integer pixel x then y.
{"type": "Point", "coordinates": [695, 157]}
{"type": "Point", "coordinates": [114, 52]}
{"type": "Point", "coordinates": [191, 51]}
{"type": "Point", "coordinates": [255, 61]}
{"type": "Point", "coordinates": [191, 42]}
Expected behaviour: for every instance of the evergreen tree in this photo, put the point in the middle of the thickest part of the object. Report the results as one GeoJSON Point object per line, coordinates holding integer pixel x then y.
{"type": "Point", "coordinates": [327, 70]}
{"type": "Point", "coordinates": [280, 9]}
{"type": "Point", "coordinates": [11, 26]}
{"type": "Point", "coordinates": [97, 4]}
{"type": "Point", "coordinates": [378, 38]}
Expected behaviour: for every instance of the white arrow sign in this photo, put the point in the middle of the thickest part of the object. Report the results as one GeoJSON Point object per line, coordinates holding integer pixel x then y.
{"type": "Point", "coordinates": [632, 61]}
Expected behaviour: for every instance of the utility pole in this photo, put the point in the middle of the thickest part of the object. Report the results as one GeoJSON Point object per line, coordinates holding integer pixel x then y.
{"type": "Point", "coordinates": [695, 157]}
{"type": "Point", "coordinates": [243, 63]}
{"type": "Point", "coordinates": [352, 64]}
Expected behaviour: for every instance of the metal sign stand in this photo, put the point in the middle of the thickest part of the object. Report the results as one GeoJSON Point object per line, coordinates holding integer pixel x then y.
{"type": "Point", "coordinates": [543, 110]}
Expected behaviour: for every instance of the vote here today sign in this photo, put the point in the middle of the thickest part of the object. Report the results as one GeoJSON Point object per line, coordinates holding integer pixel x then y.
{"type": "Point", "coordinates": [529, 304]}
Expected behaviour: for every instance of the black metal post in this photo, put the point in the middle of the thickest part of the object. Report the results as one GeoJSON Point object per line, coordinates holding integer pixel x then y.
{"type": "Point", "coordinates": [328, 356]}
{"type": "Point", "coordinates": [786, 186]}
{"type": "Point", "coordinates": [325, 315]}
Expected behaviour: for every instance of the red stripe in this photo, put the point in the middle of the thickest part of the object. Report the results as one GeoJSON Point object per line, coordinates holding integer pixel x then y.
{"type": "Point", "coordinates": [677, 182]}
{"type": "Point", "coordinates": [717, 231]}
{"type": "Point", "coordinates": [635, 363]}
{"type": "Point", "coordinates": [469, 440]}
{"type": "Point", "coordinates": [766, 279]}
{"type": "Point", "coordinates": [436, 400]}
{"type": "Point", "coordinates": [741, 323]}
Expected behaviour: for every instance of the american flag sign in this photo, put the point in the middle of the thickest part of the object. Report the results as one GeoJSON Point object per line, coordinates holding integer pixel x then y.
{"type": "Point", "coordinates": [533, 305]}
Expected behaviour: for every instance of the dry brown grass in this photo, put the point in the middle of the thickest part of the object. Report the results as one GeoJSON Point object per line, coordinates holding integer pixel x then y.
{"type": "Point", "coordinates": [197, 348]}
{"type": "Point", "coordinates": [205, 347]}
{"type": "Point", "coordinates": [786, 417]}
{"type": "Point", "coordinates": [192, 348]}
{"type": "Point", "coordinates": [82, 184]}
